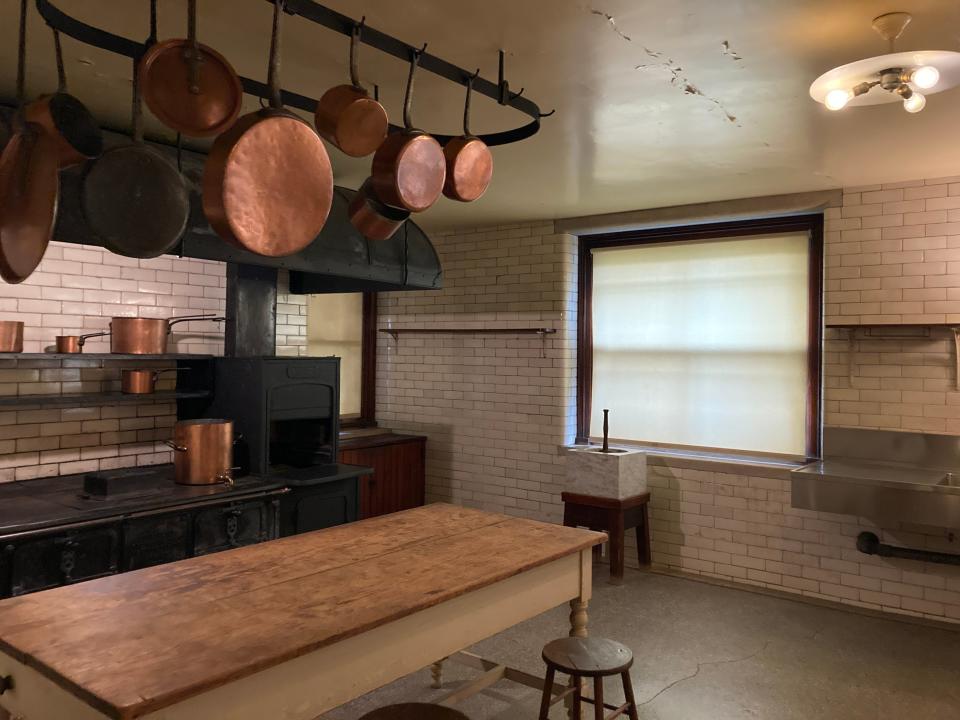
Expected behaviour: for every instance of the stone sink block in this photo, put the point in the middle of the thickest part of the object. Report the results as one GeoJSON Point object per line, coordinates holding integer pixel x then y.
{"type": "Point", "coordinates": [617, 474]}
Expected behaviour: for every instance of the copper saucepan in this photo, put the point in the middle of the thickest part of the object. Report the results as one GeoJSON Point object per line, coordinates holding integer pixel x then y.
{"type": "Point", "coordinates": [146, 336]}
{"type": "Point", "coordinates": [374, 219]}
{"type": "Point", "coordinates": [203, 451]}
{"type": "Point", "coordinates": [11, 336]}
{"type": "Point", "coordinates": [72, 344]}
{"type": "Point", "coordinates": [141, 382]}
{"type": "Point", "coordinates": [469, 161]}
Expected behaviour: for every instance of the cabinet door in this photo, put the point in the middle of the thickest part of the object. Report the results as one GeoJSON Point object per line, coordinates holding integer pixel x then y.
{"type": "Point", "coordinates": [398, 476]}
{"type": "Point", "coordinates": [155, 540]}
{"type": "Point", "coordinates": [229, 526]}
{"type": "Point", "coordinates": [53, 560]}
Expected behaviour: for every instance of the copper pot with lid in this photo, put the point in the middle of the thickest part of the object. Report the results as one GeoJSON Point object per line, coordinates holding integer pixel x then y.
{"type": "Point", "coordinates": [11, 336]}
{"type": "Point", "coordinates": [347, 116]}
{"type": "Point", "coordinates": [203, 451]}
{"type": "Point", "coordinates": [409, 168]}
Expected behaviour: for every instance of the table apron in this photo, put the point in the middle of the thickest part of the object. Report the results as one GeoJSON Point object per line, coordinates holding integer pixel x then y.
{"type": "Point", "coordinates": [305, 687]}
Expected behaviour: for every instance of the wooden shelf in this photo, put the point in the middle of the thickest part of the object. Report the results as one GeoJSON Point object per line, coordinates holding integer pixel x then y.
{"type": "Point", "coordinates": [102, 356]}
{"type": "Point", "coordinates": [100, 399]}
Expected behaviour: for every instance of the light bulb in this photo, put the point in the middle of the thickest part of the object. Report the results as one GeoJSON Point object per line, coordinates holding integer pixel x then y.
{"type": "Point", "coordinates": [915, 103]}
{"type": "Point", "coordinates": [837, 99]}
{"type": "Point", "coordinates": [925, 77]}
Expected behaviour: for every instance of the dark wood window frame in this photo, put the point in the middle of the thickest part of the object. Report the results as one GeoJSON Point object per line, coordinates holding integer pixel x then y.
{"type": "Point", "coordinates": [812, 224]}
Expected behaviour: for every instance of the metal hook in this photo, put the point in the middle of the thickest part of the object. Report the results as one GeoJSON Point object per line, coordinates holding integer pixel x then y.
{"type": "Point", "coordinates": [466, 104]}
{"type": "Point", "coordinates": [408, 95]}
{"type": "Point", "coordinates": [514, 96]}
{"type": "Point", "coordinates": [543, 115]}
{"type": "Point", "coordinates": [502, 84]}
{"type": "Point", "coordinates": [355, 33]}
{"type": "Point", "coordinates": [376, 92]}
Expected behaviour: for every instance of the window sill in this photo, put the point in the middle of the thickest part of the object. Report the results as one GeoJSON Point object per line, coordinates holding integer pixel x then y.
{"type": "Point", "coordinates": [667, 454]}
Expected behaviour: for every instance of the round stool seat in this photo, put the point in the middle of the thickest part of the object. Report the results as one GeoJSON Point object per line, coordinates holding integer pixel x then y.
{"type": "Point", "coordinates": [415, 711]}
{"type": "Point", "coordinates": [588, 657]}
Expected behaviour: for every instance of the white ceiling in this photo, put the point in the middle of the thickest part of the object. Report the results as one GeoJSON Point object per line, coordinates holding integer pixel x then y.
{"type": "Point", "coordinates": [629, 132]}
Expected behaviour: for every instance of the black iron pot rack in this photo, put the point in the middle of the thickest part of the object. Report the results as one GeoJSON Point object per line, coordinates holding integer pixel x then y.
{"type": "Point", "coordinates": [499, 91]}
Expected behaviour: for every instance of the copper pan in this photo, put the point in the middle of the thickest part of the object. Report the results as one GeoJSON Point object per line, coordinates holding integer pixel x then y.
{"type": "Point", "coordinates": [347, 116]}
{"type": "Point", "coordinates": [141, 382]}
{"type": "Point", "coordinates": [267, 182]}
{"type": "Point", "coordinates": [190, 87]}
{"type": "Point", "coordinates": [11, 336]}
{"type": "Point", "coordinates": [372, 218]}
{"type": "Point", "coordinates": [203, 451]}
{"type": "Point", "coordinates": [72, 344]}
{"type": "Point", "coordinates": [29, 186]}
{"type": "Point", "coordinates": [469, 161]}
{"type": "Point", "coordinates": [146, 336]}
{"type": "Point", "coordinates": [66, 119]}
{"type": "Point", "coordinates": [409, 168]}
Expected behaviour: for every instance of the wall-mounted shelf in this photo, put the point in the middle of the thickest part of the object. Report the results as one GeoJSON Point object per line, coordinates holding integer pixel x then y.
{"type": "Point", "coordinates": [100, 399]}
{"type": "Point", "coordinates": [102, 356]}
{"type": "Point", "coordinates": [952, 327]}
{"type": "Point", "coordinates": [394, 332]}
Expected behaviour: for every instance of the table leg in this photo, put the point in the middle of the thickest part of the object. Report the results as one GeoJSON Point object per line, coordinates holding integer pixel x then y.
{"type": "Point", "coordinates": [578, 628]}
{"type": "Point", "coordinates": [436, 673]}
{"type": "Point", "coordinates": [643, 538]}
{"type": "Point", "coordinates": [616, 546]}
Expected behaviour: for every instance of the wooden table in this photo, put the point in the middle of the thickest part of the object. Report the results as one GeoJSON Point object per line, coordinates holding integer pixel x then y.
{"type": "Point", "coordinates": [614, 517]}
{"type": "Point", "coordinates": [288, 629]}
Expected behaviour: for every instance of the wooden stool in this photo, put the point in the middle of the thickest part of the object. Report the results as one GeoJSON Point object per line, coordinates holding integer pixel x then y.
{"type": "Point", "coordinates": [588, 657]}
{"type": "Point", "coordinates": [613, 517]}
{"type": "Point", "coordinates": [415, 711]}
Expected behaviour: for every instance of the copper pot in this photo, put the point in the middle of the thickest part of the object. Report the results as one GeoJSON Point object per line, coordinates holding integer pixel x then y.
{"type": "Point", "coordinates": [347, 116]}
{"type": "Point", "coordinates": [141, 382]}
{"type": "Point", "coordinates": [203, 451]}
{"type": "Point", "coordinates": [11, 336]}
{"type": "Point", "coordinates": [146, 336]}
{"type": "Point", "coordinates": [371, 217]}
{"type": "Point", "coordinates": [72, 344]}
{"type": "Point", "coordinates": [469, 161]}
{"type": "Point", "coordinates": [409, 168]}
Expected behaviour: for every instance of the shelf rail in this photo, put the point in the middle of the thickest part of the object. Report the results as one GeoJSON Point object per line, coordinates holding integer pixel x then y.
{"type": "Point", "coordinates": [324, 16]}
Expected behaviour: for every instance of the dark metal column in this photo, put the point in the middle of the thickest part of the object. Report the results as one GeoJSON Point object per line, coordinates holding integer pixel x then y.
{"type": "Point", "coordinates": [252, 311]}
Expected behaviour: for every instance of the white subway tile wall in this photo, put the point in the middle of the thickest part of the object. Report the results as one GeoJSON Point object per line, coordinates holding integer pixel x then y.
{"type": "Point", "coordinates": [495, 412]}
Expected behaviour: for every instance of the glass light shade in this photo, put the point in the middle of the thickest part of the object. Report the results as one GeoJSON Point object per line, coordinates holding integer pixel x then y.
{"type": "Point", "coordinates": [925, 77]}
{"type": "Point", "coordinates": [915, 103]}
{"type": "Point", "coordinates": [837, 99]}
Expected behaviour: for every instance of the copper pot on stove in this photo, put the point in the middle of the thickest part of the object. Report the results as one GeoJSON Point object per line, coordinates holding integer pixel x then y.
{"type": "Point", "coordinates": [203, 452]}
{"type": "Point", "coordinates": [11, 336]}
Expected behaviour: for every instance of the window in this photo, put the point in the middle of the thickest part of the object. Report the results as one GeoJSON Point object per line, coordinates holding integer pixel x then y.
{"type": "Point", "coordinates": [344, 324]}
{"type": "Point", "coordinates": [706, 336]}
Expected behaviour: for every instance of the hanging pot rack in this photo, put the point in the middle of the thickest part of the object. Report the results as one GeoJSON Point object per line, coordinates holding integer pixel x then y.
{"type": "Point", "coordinates": [321, 15]}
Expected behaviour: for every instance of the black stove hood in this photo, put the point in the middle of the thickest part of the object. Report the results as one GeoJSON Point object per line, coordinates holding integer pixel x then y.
{"type": "Point", "coordinates": [339, 260]}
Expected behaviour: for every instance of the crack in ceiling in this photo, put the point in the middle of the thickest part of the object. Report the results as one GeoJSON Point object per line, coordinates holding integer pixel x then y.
{"type": "Point", "coordinates": [677, 78]}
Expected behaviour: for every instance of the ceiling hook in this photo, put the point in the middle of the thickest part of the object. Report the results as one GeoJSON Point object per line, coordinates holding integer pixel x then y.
{"type": "Point", "coordinates": [502, 84]}
{"type": "Point", "coordinates": [543, 115]}
{"type": "Point", "coordinates": [514, 96]}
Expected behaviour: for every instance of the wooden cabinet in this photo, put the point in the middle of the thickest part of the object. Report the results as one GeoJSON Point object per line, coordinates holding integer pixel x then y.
{"type": "Point", "coordinates": [399, 471]}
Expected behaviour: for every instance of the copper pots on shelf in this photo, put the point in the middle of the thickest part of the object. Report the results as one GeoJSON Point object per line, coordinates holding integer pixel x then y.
{"type": "Point", "coordinates": [141, 382]}
{"type": "Point", "coordinates": [202, 451]}
{"type": "Point", "coordinates": [72, 344]}
{"type": "Point", "coordinates": [11, 336]}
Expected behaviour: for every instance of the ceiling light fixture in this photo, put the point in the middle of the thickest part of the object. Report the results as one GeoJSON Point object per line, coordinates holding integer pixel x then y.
{"type": "Point", "coordinates": [899, 76]}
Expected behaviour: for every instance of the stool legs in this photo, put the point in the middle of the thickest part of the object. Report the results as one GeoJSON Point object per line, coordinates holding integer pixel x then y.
{"type": "Point", "coordinates": [643, 537]}
{"type": "Point", "coordinates": [598, 708]}
{"type": "Point", "coordinates": [616, 532]}
{"type": "Point", "coordinates": [547, 694]}
{"type": "Point", "coordinates": [576, 705]}
{"type": "Point", "coordinates": [628, 694]}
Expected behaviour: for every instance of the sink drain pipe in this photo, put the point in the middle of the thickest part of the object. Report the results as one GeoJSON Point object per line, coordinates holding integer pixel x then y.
{"type": "Point", "coordinates": [869, 544]}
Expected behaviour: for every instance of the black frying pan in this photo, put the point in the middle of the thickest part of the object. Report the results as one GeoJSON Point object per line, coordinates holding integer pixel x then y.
{"type": "Point", "coordinates": [133, 198]}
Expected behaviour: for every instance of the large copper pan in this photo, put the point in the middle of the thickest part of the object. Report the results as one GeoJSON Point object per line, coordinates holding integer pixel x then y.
{"type": "Point", "coordinates": [190, 87]}
{"type": "Point", "coordinates": [11, 336]}
{"type": "Point", "coordinates": [469, 161]}
{"type": "Point", "coordinates": [66, 119]}
{"type": "Point", "coordinates": [409, 168]}
{"type": "Point", "coordinates": [146, 336]}
{"type": "Point", "coordinates": [267, 182]}
{"type": "Point", "coordinates": [347, 116]}
{"type": "Point", "coordinates": [203, 451]}
{"type": "Point", "coordinates": [29, 186]}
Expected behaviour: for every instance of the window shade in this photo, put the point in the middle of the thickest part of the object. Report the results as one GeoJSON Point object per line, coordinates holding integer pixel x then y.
{"type": "Point", "coordinates": [703, 343]}
{"type": "Point", "coordinates": [335, 327]}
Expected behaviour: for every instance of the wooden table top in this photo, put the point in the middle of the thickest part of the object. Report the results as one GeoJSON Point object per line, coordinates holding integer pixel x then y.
{"type": "Point", "coordinates": [133, 643]}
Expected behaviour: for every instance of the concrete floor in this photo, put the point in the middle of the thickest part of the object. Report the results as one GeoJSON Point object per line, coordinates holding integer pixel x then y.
{"type": "Point", "coordinates": [705, 652]}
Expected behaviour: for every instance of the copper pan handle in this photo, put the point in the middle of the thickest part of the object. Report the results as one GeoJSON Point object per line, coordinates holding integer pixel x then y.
{"type": "Point", "coordinates": [185, 318]}
{"type": "Point", "coordinates": [173, 446]}
{"type": "Point", "coordinates": [83, 338]}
